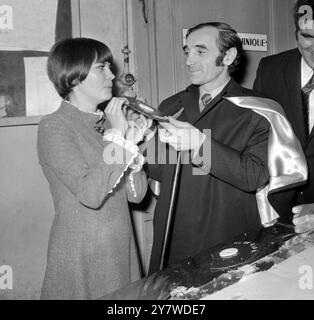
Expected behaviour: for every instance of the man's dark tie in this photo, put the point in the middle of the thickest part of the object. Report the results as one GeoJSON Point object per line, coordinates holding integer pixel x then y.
{"type": "Point", "coordinates": [206, 98]}
{"type": "Point", "coordinates": [306, 91]}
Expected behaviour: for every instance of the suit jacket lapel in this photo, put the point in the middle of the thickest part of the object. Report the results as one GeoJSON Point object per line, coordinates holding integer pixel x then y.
{"type": "Point", "coordinates": [292, 76]}
{"type": "Point", "coordinates": [189, 100]}
{"type": "Point", "coordinates": [209, 107]}
{"type": "Point", "coordinates": [227, 90]}
{"type": "Point", "coordinates": [310, 137]}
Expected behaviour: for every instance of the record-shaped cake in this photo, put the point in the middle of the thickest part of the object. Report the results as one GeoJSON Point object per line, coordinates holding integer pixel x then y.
{"type": "Point", "coordinates": [234, 255]}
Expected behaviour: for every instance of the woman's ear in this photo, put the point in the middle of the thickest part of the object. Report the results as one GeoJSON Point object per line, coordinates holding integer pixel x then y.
{"type": "Point", "coordinates": [230, 56]}
{"type": "Point", "coordinates": [76, 87]}
{"type": "Point", "coordinates": [75, 82]}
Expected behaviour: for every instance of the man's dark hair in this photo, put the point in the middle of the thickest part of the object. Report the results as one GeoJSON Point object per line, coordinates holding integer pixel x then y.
{"type": "Point", "coordinates": [70, 60]}
{"type": "Point", "coordinates": [227, 38]}
{"type": "Point", "coordinates": [297, 14]}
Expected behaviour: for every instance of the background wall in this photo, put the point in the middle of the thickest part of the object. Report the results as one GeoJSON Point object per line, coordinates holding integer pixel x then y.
{"type": "Point", "coordinates": [26, 212]}
{"type": "Point", "coordinates": [105, 20]}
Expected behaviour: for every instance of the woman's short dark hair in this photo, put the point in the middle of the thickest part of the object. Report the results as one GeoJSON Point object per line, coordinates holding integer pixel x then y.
{"type": "Point", "coordinates": [297, 14]}
{"type": "Point", "coordinates": [227, 38]}
{"type": "Point", "coordinates": [70, 60]}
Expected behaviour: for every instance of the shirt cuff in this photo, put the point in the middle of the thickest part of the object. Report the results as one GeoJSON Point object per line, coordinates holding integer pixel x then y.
{"type": "Point", "coordinates": [203, 162]}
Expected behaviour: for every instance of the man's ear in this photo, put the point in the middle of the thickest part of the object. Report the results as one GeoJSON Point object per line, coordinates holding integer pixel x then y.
{"type": "Point", "coordinates": [230, 56]}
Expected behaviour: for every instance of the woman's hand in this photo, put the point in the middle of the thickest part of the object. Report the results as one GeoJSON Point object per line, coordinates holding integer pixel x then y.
{"type": "Point", "coordinates": [138, 126]}
{"type": "Point", "coordinates": [116, 114]}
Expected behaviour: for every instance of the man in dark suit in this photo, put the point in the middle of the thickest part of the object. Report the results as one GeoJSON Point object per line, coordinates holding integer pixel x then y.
{"type": "Point", "coordinates": [220, 203]}
{"type": "Point", "coordinates": [220, 193]}
{"type": "Point", "coordinates": [287, 77]}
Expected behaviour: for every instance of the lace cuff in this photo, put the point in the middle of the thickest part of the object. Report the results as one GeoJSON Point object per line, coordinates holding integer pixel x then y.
{"type": "Point", "coordinates": [131, 179]}
{"type": "Point", "coordinates": [138, 163]}
{"type": "Point", "coordinates": [136, 166]}
{"type": "Point", "coordinates": [115, 135]}
{"type": "Point", "coordinates": [135, 162]}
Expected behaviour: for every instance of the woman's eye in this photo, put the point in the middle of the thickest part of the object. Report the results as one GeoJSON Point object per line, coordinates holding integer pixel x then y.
{"type": "Point", "coordinates": [103, 66]}
{"type": "Point", "coordinates": [106, 66]}
{"type": "Point", "coordinates": [98, 67]}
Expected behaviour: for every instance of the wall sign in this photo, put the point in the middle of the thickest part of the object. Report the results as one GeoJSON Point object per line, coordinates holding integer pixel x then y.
{"type": "Point", "coordinates": [254, 41]}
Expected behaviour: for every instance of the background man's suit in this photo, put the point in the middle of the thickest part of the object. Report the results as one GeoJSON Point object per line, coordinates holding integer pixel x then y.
{"type": "Point", "coordinates": [279, 78]}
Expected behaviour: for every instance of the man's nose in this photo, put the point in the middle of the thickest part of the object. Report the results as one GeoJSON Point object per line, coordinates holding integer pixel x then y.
{"type": "Point", "coordinates": [189, 60]}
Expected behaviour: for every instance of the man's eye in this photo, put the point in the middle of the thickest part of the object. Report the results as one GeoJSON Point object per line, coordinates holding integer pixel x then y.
{"type": "Point", "coordinates": [201, 52]}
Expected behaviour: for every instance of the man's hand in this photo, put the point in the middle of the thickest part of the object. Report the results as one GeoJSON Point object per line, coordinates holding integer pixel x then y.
{"type": "Point", "coordinates": [181, 135]}
{"type": "Point", "coordinates": [303, 218]}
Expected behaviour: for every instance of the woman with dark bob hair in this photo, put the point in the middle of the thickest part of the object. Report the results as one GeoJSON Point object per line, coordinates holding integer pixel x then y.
{"type": "Point", "coordinates": [92, 175]}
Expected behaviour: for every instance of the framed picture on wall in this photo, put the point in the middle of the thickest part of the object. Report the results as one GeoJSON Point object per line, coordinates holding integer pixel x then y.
{"type": "Point", "coordinates": [28, 29]}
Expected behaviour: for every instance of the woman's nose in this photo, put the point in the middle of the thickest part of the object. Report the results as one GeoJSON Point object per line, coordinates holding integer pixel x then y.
{"type": "Point", "coordinates": [109, 74]}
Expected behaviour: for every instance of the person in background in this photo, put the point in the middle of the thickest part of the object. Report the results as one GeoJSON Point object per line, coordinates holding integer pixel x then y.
{"type": "Point", "coordinates": [288, 78]}
{"type": "Point", "coordinates": [92, 176]}
{"type": "Point", "coordinates": [222, 193]}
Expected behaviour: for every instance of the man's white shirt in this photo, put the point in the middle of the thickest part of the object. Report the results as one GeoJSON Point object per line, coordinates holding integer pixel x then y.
{"type": "Point", "coordinates": [306, 74]}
